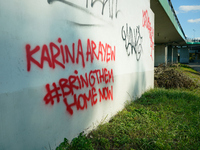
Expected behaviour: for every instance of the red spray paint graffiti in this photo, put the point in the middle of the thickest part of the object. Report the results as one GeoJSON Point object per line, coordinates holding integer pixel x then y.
{"type": "Point", "coordinates": [146, 23]}
{"type": "Point", "coordinates": [57, 54]}
{"type": "Point", "coordinates": [68, 86]}
{"type": "Point", "coordinates": [101, 52]}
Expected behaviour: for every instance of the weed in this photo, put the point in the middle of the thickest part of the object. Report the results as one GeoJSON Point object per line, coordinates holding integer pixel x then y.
{"type": "Point", "coordinates": [79, 143]}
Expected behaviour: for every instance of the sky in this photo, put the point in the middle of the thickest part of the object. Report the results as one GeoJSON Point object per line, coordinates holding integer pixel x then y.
{"type": "Point", "coordinates": [188, 13]}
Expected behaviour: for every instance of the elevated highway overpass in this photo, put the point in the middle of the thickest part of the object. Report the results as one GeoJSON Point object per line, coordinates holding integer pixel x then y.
{"type": "Point", "coordinates": [169, 35]}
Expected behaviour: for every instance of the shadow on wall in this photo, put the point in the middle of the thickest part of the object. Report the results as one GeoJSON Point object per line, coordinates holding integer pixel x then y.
{"type": "Point", "coordinates": [140, 85]}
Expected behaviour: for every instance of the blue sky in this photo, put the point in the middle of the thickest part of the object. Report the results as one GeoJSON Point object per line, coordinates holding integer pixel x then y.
{"type": "Point", "coordinates": [188, 13]}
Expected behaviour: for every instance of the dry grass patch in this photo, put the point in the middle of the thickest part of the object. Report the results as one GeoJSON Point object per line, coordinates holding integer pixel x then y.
{"type": "Point", "coordinates": [173, 77]}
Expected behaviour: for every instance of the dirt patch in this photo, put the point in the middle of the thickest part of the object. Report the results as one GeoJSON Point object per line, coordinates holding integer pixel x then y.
{"type": "Point", "coordinates": [169, 77]}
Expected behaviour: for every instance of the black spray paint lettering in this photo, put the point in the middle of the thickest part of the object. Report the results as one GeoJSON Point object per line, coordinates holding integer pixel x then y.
{"type": "Point", "coordinates": [71, 4]}
{"type": "Point", "coordinates": [132, 39]}
{"type": "Point", "coordinates": [111, 3]}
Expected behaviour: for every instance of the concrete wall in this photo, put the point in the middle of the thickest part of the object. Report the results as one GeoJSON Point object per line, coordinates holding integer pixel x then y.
{"type": "Point", "coordinates": [67, 65]}
{"type": "Point", "coordinates": [184, 55]}
{"type": "Point", "coordinates": [161, 54]}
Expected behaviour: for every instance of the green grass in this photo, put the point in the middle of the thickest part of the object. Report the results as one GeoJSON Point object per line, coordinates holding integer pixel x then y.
{"type": "Point", "coordinates": [160, 119]}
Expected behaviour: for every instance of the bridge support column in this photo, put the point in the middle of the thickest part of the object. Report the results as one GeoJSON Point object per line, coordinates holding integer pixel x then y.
{"type": "Point", "coordinates": [184, 55]}
{"type": "Point", "coordinates": [170, 55]}
{"type": "Point", "coordinates": [175, 55]}
{"type": "Point", "coordinates": [160, 54]}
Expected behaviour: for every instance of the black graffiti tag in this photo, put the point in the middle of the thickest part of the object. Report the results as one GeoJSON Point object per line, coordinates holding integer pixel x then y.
{"type": "Point", "coordinates": [112, 6]}
{"type": "Point", "coordinates": [132, 39]}
{"type": "Point", "coordinates": [111, 3]}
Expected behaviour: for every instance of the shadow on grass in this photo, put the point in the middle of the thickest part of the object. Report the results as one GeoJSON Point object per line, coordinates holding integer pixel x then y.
{"type": "Point", "coordinates": [192, 68]}
{"type": "Point", "coordinates": [158, 96]}
{"type": "Point", "coordinates": [185, 66]}
{"type": "Point", "coordinates": [194, 73]}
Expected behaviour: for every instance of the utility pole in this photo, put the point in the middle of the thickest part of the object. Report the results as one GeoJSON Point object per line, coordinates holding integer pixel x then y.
{"type": "Point", "coordinates": [194, 33]}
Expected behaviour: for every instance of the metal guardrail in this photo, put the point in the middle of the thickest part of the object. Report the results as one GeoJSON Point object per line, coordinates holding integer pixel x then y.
{"type": "Point", "coordinates": [192, 40]}
{"type": "Point", "coordinates": [188, 40]}
{"type": "Point", "coordinates": [172, 8]}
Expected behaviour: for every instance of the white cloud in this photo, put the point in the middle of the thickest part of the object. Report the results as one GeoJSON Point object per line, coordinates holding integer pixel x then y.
{"type": "Point", "coordinates": [194, 20]}
{"type": "Point", "coordinates": [176, 12]}
{"type": "Point", "coordinates": [189, 8]}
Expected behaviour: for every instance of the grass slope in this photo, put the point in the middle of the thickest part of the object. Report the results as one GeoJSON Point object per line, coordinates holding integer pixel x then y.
{"type": "Point", "coordinates": [188, 71]}
{"type": "Point", "coordinates": [160, 119]}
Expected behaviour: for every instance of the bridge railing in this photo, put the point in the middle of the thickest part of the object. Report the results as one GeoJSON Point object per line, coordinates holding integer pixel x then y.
{"type": "Point", "coordinates": [193, 40]}
{"type": "Point", "coordinates": [172, 8]}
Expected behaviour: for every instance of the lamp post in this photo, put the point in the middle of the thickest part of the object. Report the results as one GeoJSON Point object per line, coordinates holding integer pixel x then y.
{"type": "Point", "coordinates": [194, 33]}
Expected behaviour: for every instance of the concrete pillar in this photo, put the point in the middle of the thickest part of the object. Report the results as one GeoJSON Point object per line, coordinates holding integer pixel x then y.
{"type": "Point", "coordinates": [170, 54]}
{"type": "Point", "coordinates": [175, 55]}
{"type": "Point", "coordinates": [166, 52]}
{"type": "Point", "coordinates": [160, 54]}
{"type": "Point", "coordinates": [184, 55]}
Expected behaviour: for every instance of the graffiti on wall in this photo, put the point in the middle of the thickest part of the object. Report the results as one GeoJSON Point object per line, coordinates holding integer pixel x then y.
{"type": "Point", "coordinates": [147, 24]}
{"type": "Point", "coordinates": [51, 52]}
{"type": "Point", "coordinates": [55, 54]}
{"type": "Point", "coordinates": [58, 55]}
{"type": "Point", "coordinates": [68, 87]}
{"type": "Point", "coordinates": [112, 6]}
{"type": "Point", "coordinates": [133, 39]}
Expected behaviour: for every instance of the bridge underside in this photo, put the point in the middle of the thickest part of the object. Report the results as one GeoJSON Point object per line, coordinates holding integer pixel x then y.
{"type": "Point", "coordinates": [171, 45]}
{"type": "Point", "coordinates": [165, 28]}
